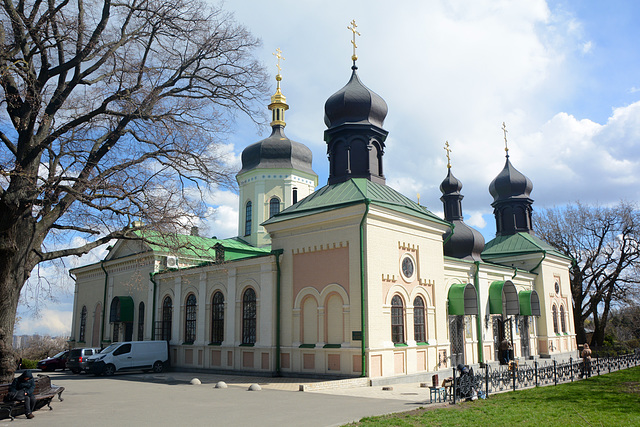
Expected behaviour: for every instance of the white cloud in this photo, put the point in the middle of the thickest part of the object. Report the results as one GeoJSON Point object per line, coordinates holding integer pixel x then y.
{"type": "Point", "coordinates": [50, 322]}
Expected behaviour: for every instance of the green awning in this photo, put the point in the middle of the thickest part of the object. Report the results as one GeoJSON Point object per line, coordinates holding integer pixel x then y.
{"type": "Point", "coordinates": [529, 303]}
{"type": "Point", "coordinates": [463, 299]}
{"type": "Point", "coordinates": [503, 298]}
{"type": "Point", "coordinates": [121, 309]}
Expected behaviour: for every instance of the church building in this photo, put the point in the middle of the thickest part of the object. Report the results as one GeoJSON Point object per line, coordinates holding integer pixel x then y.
{"type": "Point", "coordinates": [350, 280]}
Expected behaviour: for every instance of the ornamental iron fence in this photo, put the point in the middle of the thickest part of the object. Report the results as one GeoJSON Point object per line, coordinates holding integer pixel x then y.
{"type": "Point", "coordinates": [488, 380]}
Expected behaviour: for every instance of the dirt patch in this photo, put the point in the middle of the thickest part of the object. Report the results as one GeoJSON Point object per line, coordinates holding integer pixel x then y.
{"type": "Point", "coordinates": [632, 387]}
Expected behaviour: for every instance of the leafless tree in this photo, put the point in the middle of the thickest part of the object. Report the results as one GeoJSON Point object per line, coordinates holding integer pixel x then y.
{"type": "Point", "coordinates": [604, 243]}
{"type": "Point", "coordinates": [111, 112]}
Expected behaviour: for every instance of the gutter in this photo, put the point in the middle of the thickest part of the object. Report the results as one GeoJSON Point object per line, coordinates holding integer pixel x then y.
{"type": "Point", "coordinates": [153, 310]}
{"type": "Point", "coordinates": [104, 300]}
{"type": "Point", "coordinates": [277, 253]}
{"type": "Point", "coordinates": [476, 282]}
{"type": "Point", "coordinates": [367, 202]}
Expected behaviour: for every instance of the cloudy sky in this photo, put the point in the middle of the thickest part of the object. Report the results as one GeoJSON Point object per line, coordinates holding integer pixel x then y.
{"type": "Point", "coordinates": [563, 75]}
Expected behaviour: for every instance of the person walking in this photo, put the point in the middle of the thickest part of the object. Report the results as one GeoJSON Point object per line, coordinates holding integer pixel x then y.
{"type": "Point", "coordinates": [586, 360]}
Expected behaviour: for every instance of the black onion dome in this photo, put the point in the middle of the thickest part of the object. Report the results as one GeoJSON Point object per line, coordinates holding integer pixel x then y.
{"type": "Point", "coordinates": [466, 242]}
{"type": "Point", "coordinates": [355, 103]}
{"type": "Point", "coordinates": [450, 185]}
{"type": "Point", "coordinates": [510, 184]}
{"type": "Point", "coordinates": [277, 151]}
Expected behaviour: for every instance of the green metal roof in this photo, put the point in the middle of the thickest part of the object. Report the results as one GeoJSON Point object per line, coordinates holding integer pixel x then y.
{"type": "Point", "coordinates": [503, 294]}
{"type": "Point", "coordinates": [200, 247]}
{"type": "Point", "coordinates": [517, 244]}
{"type": "Point", "coordinates": [529, 303]}
{"type": "Point", "coordinates": [352, 192]}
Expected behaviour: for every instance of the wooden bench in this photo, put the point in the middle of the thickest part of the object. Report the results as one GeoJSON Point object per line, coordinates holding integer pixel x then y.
{"type": "Point", "coordinates": [44, 393]}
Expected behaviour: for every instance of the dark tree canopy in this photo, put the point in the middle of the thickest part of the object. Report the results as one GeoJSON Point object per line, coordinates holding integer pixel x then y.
{"type": "Point", "coordinates": [110, 113]}
{"type": "Point", "coordinates": [605, 245]}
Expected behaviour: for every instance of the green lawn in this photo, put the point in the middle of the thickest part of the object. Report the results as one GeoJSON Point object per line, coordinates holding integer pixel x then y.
{"type": "Point", "coordinates": [607, 400]}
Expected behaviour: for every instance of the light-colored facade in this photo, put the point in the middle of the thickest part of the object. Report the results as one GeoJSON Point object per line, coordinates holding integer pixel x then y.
{"type": "Point", "coordinates": [350, 280]}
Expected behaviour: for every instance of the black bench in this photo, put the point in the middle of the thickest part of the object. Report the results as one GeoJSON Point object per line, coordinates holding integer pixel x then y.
{"type": "Point", "coordinates": [44, 393]}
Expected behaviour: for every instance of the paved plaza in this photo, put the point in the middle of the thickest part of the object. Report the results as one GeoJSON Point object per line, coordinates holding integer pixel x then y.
{"type": "Point", "coordinates": [169, 399]}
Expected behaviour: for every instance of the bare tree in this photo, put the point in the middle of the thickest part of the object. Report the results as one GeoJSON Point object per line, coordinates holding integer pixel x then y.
{"type": "Point", "coordinates": [604, 243]}
{"type": "Point", "coordinates": [110, 115]}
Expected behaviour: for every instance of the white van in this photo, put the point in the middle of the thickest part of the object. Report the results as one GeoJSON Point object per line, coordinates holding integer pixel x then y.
{"type": "Point", "coordinates": [120, 356]}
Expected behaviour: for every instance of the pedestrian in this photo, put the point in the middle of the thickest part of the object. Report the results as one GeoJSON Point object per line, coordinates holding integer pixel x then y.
{"type": "Point", "coordinates": [21, 389]}
{"type": "Point", "coordinates": [504, 348]}
{"type": "Point", "coordinates": [586, 360]}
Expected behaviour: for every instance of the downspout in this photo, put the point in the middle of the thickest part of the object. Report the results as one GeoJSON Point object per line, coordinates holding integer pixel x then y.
{"type": "Point", "coordinates": [544, 255]}
{"type": "Point", "coordinates": [515, 273]}
{"type": "Point", "coordinates": [153, 309]}
{"type": "Point", "coordinates": [104, 300]}
{"type": "Point", "coordinates": [72, 338]}
{"type": "Point", "coordinates": [363, 334]}
{"type": "Point", "coordinates": [277, 253]}
{"type": "Point", "coordinates": [452, 225]}
{"type": "Point", "coordinates": [476, 282]}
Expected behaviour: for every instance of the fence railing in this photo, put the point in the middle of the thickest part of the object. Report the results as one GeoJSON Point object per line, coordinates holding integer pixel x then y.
{"type": "Point", "coordinates": [487, 380]}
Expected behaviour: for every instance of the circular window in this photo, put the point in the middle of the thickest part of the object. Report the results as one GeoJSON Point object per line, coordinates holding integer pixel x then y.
{"type": "Point", "coordinates": [408, 267]}
{"type": "Point", "coordinates": [557, 287]}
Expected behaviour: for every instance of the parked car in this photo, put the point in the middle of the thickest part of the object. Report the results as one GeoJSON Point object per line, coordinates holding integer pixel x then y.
{"type": "Point", "coordinates": [77, 360]}
{"type": "Point", "coordinates": [132, 355]}
{"type": "Point", "coordinates": [59, 361]}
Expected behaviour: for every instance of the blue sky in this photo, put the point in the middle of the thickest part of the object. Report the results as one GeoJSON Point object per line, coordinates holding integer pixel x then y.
{"type": "Point", "coordinates": [563, 75]}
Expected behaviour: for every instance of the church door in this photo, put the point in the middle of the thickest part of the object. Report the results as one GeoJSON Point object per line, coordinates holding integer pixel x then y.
{"type": "Point", "coordinates": [456, 331]}
{"type": "Point", "coordinates": [524, 336]}
{"type": "Point", "coordinates": [128, 331]}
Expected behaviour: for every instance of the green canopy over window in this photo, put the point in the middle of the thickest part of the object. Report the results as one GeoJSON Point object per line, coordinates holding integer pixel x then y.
{"type": "Point", "coordinates": [121, 309]}
{"type": "Point", "coordinates": [463, 299]}
{"type": "Point", "coordinates": [503, 298]}
{"type": "Point", "coordinates": [529, 303]}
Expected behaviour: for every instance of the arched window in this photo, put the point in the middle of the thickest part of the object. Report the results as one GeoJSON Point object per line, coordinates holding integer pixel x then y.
{"type": "Point", "coordinates": [141, 321]}
{"type": "Point", "coordinates": [397, 320]}
{"type": "Point", "coordinates": [554, 312]}
{"type": "Point", "coordinates": [249, 317]}
{"type": "Point", "coordinates": [295, 195]}
{"type": "Point", "coordinates": [563, 323]}
{"type": "Point", "coordinates": [83, 323]}
{"type": "Point", "coordinates": [114, 313]}
{"type": "Point", "coordinates": [190, 319]}
{"type": "Point", "coordinates": [419, 320]}
{"type": "Point", "coordinates": [167, 311]}
{"type": "Point", "coordinates": [274, 206]}
{"type": "Point", "coordinates": [217, 318]}
{"type": "Point", "coordinates": [247, 219]}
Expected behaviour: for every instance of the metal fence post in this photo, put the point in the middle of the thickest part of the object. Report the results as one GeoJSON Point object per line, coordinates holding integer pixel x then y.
{"type": "Point", "coordinates": [555, 373]}
{"type": "Point", "coordinates": [571, 367]}
{"type": "Point", "coordinates": [513, 371]}
{"type": "Point", "coordinates": [455, 386]}
{"type": "Point", "coordinates": [486, 380]}
{"type": "Point", "coordinates": [535, 372]}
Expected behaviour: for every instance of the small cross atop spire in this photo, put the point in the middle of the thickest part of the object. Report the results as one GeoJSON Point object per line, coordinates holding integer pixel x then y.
{"type": "Point", "coordinates": [506, 147]}
{"type": "Point", "coordinates": [448, 150]}
{"type": "Point", "coordinates": [353, 27]}
{"type": "Point", "coordinates": [278, 54]}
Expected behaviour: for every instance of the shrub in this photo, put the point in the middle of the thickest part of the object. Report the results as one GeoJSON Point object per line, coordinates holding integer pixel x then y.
{"type": "Point", "coordinates": [29, 364]}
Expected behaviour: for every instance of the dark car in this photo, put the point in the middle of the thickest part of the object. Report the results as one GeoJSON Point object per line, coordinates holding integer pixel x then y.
{"type": "Point", "coordinates": [59, 361]}
{"type": "Point", "coordinates": [77, 360]}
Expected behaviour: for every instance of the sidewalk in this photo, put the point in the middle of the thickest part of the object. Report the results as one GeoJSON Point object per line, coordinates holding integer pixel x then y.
{"type": "Point", "coordinates": [169, 399]}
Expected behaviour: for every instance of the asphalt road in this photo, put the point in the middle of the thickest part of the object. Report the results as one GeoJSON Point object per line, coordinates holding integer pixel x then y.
{"type": "Point", "coordinates": [170, 399]}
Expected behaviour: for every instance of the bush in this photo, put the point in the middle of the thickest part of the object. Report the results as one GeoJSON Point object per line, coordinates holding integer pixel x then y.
{"type": "Point", "coordinates": [29, 364]}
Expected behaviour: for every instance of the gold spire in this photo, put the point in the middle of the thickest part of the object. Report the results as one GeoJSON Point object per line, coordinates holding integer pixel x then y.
{"type": "Point", "coordinates": [353, 27]}
{"type": "Point", "coordinates": [448, 150]}
{"type": "Point", "coordinates": [504, 130]}
{"type": "Point", "coordinates": [278, 101]}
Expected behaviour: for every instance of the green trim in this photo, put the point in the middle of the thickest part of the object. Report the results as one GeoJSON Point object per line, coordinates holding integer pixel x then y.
{"type": "Point", "coordinates": [104, 300]}
{"type": "Point", "coordinates": [247, 345]}
{"type": "Point", "coordinates": [463, 299]}
{"type": "Point", "coordinates": [277, 253]}
{"type": "Point", "coordinates": [476, 282]}
{"type": "Point", "coordinates": [307, 346]}
{"type": "Point", "coordinates": [188, 343]}
{"type": "Point", "coordinates": [218, 344]}
{"type": "Point", "coordinates": [332, 346]}
{"type": "Point", "coordinates": [422, 343]}
{"type": "Point", "coordinates": [363, 320]}
{"type": "Point", "coordinates": [401, 344]}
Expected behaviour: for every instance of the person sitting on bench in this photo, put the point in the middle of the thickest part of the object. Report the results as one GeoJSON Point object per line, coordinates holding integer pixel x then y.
{"type": "Point", "coordinates": [22, 389]}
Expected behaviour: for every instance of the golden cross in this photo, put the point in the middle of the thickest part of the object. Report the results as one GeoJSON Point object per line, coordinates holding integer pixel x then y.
{"type": "Point", "coordinates": [278, 55]}
{"type": "Point", "coordinates": [448, 150]}
{"type": "Point", "coordinates": [353, 27]}
{"type": "Point", "coordinates": [504, 129]}
{"type": "Point", "coordinates": [418, 198]}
